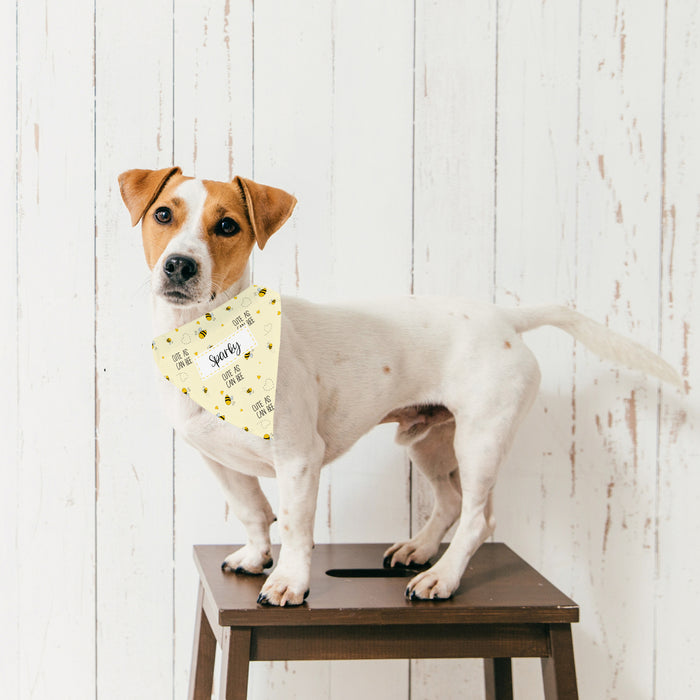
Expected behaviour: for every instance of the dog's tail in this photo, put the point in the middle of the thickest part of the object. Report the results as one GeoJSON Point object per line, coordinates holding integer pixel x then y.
{"type": "Point", "coordinates": [596, 337]}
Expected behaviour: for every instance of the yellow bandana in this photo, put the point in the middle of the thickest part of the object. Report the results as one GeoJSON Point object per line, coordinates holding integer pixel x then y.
{"type": "Point", "coordinates": [226, 360]}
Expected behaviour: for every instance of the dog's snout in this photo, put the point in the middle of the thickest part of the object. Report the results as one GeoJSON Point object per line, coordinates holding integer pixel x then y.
{"type": "Point", "coordinates": [180, 268]}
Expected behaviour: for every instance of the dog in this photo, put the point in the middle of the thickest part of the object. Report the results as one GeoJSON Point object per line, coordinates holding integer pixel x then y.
{"type": "Point", "coordinates": [454, 375]}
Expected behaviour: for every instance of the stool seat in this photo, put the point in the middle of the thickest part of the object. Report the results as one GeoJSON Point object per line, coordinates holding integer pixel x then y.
{"type": "Point", "coordinates": [357, 610]}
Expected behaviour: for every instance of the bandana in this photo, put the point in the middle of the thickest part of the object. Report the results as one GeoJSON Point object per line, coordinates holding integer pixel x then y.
{"type": "Point", "coordinates": [227, 359]}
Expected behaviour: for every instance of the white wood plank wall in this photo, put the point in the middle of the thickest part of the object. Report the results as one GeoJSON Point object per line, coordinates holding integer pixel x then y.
{"type": "Point", "coordinates": [520, 151]}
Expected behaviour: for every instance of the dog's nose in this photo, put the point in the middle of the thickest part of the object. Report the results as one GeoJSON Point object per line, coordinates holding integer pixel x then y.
{"type": "Point", "coordinates": [179, 268]}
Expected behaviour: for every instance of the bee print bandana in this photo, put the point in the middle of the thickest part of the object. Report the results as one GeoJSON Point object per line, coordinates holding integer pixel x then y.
{"type": "Point", "coordinates": [226, 360]}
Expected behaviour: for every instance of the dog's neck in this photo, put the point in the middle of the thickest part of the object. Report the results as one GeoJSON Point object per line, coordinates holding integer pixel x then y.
{"type": "Point", "coordinates": [167, 316]}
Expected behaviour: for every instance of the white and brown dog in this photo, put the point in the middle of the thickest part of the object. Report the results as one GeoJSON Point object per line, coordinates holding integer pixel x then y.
{"type": "Point", "coordinates": [456, 377]}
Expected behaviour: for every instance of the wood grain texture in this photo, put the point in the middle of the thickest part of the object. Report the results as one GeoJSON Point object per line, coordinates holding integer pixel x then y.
{"type": "Point", "coordinates": [453, 213]}
{"type": "Point", "coordinates": [618, 281]}
{"type": "Point", "coordinates": [677, 573]}
{"type": "Point", "coordinates": [536, 230]}
{"type": "Point", "coordinates": [213, 55]}
{"type": "Point", "coordinates": [134, 494]}
{"type": "Point", "coordinates": [9, 357]}
{"type": "Point", "coordinates": [56, 363]}
{"type": "Point", "coordinates": [528, 151]}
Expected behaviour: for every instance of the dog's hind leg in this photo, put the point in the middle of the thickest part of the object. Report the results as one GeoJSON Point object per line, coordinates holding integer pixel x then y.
{"type": "Point", "coordinates": [485, 427]}
{"type": "Point", "coordinates": [434, 455]}
{"type": "Point", "coordinates": [251, 507]}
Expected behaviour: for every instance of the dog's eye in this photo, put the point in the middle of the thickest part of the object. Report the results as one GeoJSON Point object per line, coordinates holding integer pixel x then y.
{"type": "Point", "coordinates": [163, 215]}
{"type": "Point", "coordinates": [227, 227]}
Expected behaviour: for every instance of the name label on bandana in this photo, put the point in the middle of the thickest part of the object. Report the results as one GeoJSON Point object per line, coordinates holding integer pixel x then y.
{"type": "Point", "coordinates": [226, 360]}
{"type": "Point", "coordinates": [224, 353]}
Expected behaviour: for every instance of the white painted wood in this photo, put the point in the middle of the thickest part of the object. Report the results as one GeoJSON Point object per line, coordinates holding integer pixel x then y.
{"type": "Point", "coordinates": [213, 129]}
{"type": "Point", "coordinates": [134, 498]}
{"type": "Point", "coordinates": [617, 281]}
{"type": "Point", "coordinates": [55, 538]}
{"type": "Point", "coordinates": [678, 569]}
{"type": "Point", "coordinates": [454, 197]}
{"type": "Point", "coordinates": [535, 248]}
{"type": "Point", "coordinates": [354, 192]}
{"type": "Point", "coordinates": [592, 199]}
{"type": "Point", "coordinates": [371, 198]}
{"type": "Point", "coordinates": [292, 148]}
{"type": "Point", "coordinates": [9, 352]}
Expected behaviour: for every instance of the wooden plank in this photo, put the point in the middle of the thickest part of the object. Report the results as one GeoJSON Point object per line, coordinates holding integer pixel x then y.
{"type": "Point", "coordinates": [212, 139]}
{"type": "Point", "coordinates": [618, 282]}
{"type": "Point", "coordinates": [453, 219]}
{"type": "Point", "coordinates": [54, 496]}
{"type": "Point", "coordinates": [535, 248]}
{"type": "Point", "coordinates": [340, 104]}
{"type": "Point", "coordinates": [293, 150]}
{"type": "Point", "coordinates": [235, 653]}
{"type": "Point", "coordinates": [9, 356]}
{"type": "Point", "coordinates": [370, 233]}
{"type": "Point", "coordinates": [134, 506]}
{"type": "Point", "coordinates": [203, 654]}
{"type": "Point", "coordinates": [398, 642]}
{"type": "Point", "coordinates": [678, 570]}
{"type": "Point", "coordinates": [498, 587]}
{"type": "Point", "coordinates": [498, 679]}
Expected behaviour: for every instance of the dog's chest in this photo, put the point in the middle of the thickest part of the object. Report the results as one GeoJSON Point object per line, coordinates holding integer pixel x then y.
{"type": "Point", "coordinates": [227, 444]}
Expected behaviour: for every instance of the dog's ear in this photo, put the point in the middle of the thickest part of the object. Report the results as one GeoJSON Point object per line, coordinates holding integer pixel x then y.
{"type": "Point", "coordinates": [140, 188]}
{"type": "Point", "coordinates": [268, 208]}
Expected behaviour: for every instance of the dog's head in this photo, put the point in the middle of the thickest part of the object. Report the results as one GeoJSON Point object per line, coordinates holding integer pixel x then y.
{"type": "Point", "coordinates": [199, 234]}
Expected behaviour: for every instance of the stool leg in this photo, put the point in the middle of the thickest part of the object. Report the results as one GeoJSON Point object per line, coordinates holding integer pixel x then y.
{"type": "Point", "coordinates": [235, 657]}
{"type": "Point", "coordinates": [558, 669]}
{"type": "Point", "coordinates": [203, 655]}
{"type": "Point", "coordinates": [498, 679]}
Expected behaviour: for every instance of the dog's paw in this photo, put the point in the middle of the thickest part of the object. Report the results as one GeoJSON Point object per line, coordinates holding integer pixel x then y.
{"type": "Point", "coordinates": [412, 553]}
{"type": "Point", "coordinates": [283, 590]}
{"type": "Point", "coordinates": [247, 560]}
{"type": "Point", "coordinates": [431, 585]}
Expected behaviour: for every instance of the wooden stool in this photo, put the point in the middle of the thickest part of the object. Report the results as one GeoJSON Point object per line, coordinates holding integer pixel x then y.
{"type": "Point", "coordinates": [357, 610]}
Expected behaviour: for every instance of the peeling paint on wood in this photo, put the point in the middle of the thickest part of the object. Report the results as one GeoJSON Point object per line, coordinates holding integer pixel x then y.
{"type": "Point", "coordinates": [527, 152]}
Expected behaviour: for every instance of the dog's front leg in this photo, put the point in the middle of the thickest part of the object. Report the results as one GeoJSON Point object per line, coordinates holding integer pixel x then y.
{"type": "Point", "coordinates": [251, 507]}
{"type": "Point", "coordinates": [298, 490]}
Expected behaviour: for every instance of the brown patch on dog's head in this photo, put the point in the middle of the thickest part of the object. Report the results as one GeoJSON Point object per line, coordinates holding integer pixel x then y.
{"type": "Point", "coordinates": [140, 188]}
{"type": "Point", "coordinates": [145, 191]}
{"type": "Point", "coordinates": [268, 208]}
{"type": "Point", "coordinates": [229, 254]}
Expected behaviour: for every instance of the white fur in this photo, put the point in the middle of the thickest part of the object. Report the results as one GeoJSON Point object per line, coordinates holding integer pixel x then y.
{"type": "Point", "coordinates": [344, 368]}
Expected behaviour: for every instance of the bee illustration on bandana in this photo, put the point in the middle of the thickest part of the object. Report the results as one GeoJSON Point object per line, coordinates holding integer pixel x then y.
{"type": "Point", "coordinates": [209, 317]}
{"type": "Point", "coordinates": [202, 334]}
{"type": "Point", "coordinates": [247, 355]}
{"type": "Point", "coordinates": [262, 292]}
{"type": "Point", "coordinates": [204, 390]}
{"type": "Point", "coordinates": [227, 400]}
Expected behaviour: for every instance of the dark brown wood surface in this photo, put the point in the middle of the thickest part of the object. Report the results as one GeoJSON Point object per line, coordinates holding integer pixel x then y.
{"type": "Point", "coordinates": [497, 587]}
